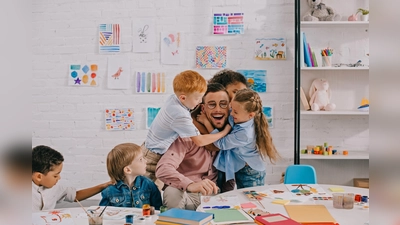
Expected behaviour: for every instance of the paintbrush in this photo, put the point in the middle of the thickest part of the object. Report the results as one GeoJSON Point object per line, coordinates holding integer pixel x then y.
{"type": "Point", "coordinates": [258, 199]}
{"type": "Point", "coordinates": [103, 211]}
{"type": "Point", "coordinates": [91, 218]}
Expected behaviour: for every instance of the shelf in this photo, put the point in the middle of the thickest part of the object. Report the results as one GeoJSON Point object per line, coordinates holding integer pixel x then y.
{"type": "Point", "coordinates": [335, 112]}
{"type": "Point", "coordinates": [351, 155]}
{"type": "Point", "coordinates": [333, 23]}
{"type": "Point", "coordinates": [336, 68]}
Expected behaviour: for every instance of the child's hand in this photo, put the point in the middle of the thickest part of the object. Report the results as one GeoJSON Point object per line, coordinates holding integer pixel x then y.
{"type": "Point", "coordinates": [108, 183]}
{"type": "Point", "coordinates": [202, 118]}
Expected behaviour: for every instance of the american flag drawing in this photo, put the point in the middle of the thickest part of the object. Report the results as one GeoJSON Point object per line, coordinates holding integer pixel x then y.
{"type": "Point", "coordinates": [109, 38]}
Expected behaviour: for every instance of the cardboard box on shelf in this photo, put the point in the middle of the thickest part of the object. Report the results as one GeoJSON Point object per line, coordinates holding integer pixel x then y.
{"type": "Point", "coordinates": [361, 182]}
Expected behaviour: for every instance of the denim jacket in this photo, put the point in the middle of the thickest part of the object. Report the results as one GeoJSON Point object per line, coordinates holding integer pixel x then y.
{"type": "Point", "coordinates": [144, 191]}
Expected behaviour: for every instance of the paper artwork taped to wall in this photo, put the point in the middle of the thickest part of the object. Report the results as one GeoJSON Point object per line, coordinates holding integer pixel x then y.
{"type": "Point", "coordinates": [257, 79]}
{"type": "Point", "coordinates": [109, 38]}
{"type": "Point", "coordinates": [228, 23]}
{"type": "Point", "coordinates": [82, 75]}
{"type": "Point", "coordinates": [144, 35]}
{"type": "Point", "coordinates": [119, 119]}
{"type": "Point", "coordinates": [269, 113]}
{"type": "Point", "coordinates": [211, 57]}
{"type": "Point", "coordinates": [172, 48]}
{"type": "Point", "coordinates": [59, 217]}
{"type": "Point", "coordinates": [150, 82]}
{"type": "Point", "coordinates": [119, 72]}
{"type": "Point", "coordinates": [270, 48]}
{"type": "Point", "coordinates": [151, 113]}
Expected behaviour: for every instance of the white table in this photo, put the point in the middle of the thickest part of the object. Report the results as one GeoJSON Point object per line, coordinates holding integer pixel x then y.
{"type": "Point", "coordinates": [356, 216]}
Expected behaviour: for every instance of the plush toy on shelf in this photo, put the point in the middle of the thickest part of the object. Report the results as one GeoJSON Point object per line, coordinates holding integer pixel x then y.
{"type": "Point", "coordinates": [320, 96]}
{"type": "Point", "coordinates": [320, 12]}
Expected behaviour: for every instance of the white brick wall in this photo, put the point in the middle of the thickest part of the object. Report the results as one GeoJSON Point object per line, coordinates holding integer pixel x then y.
{"type": "Point", "coordinates": [70, 119]}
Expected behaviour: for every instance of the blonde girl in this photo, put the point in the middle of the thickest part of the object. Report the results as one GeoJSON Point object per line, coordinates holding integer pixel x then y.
{"type": "Point", "coordinates": [249, 143]}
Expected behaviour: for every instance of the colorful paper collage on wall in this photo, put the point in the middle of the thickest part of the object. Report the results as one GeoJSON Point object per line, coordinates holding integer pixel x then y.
{"type": "Point", "coordinates": [109, 38]}
{"type": "Point", "coordinates": [257, 79]}
{"type": "Point", "coordinates": [144, 35]}
{"type": "Point", "coordinates": [82, 75]}
{"type": "Point", "coordinates": [59, 217]}
{"type": "Point", "coordinates": [151, 113]}
{"type": "Point", "coordinates": [172, 51]}
{"type": "Point", "coordinates": [119, 72]}
{"type": "Point", "coordinates": [150, 82]}
{"type": "Point", "coordinates": [228, 23]}
{"type": "Point", "coordinates": [269, 113]}
{"type": "Point", "coordinates": [270, 48]}
{"type": "Point", "coordinates": [210, 57]}
{"type": "Point", "coordinates": [119, 119]}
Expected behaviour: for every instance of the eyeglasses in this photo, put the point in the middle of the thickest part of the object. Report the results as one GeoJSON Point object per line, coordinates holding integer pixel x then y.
{"type": "Point", "coordinates": [212, 105]}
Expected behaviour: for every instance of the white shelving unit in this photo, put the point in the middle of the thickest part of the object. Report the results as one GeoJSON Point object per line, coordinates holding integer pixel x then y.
{"type": "Point", "coordinates": [351, 155]}
{"type": "Point", "coordinates": [335, 112]}
{"type": "Point", "coordinates": [346, 127]}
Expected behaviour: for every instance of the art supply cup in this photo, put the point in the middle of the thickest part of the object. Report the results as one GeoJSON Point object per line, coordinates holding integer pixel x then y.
{"type": "Point", "coordinates": [129, 219]}
{"type": "Point", "coordinates": [348, 200]}
{"type": "Point", "coordinates": [337, 199]}
{"type": "Point", "coordinates": [146, 210]}
{"type": "Point", "coordinates": [327, 61]}
{"type": "Point", "coordinates": [95, 219]}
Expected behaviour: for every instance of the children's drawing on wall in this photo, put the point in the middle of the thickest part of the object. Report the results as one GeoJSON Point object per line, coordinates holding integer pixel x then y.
{"type": "Point", "coordinates": [59, 217]}
{"type": "Point", "coordinates": [119, 119]}
{"type": "Point", "coordinates": [82, 75]}
{"type": "Point", "coordinates": [150, 82]}
{"type": "Point", "coordinates": [144, 35]}
{"type": "Point", "coordinates": [109, 38]}
{"type": "Point", "coordinates": [270, 48]}
{"type": "Point", "coordinates": [171, 48]}
{"type": "Point", "coordinates": [228, 23]}
{"type": "Point", "coordinates": [210, 57]}
{"type": "Point", "coordinates": [257, 79]}
{"type": "Point", "coordinates": [119, 72]}
{"type": "Point", "coordinates": [151, 113]}
{"type": "Point", "coordinates": [269, 113]}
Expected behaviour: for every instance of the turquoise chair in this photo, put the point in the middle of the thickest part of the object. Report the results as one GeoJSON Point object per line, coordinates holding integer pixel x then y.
{"type": "Point", "coordinates": [300, 174]}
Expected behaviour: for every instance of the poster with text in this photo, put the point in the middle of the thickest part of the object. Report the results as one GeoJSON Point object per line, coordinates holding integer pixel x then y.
{"type": "Point", "coordinates": [228, 23]}
{"type": "Point", "coordinates": [82, 75]}
{"type": "Point", "coordinates": [172, 51]}
{"type": "Point", "coordinates": [144, 35]}
{"type": "Point", "coordinates": [119, 72]}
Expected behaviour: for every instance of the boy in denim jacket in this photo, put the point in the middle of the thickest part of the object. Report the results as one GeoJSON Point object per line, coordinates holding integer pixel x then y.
{"type": "Point", "coordinates": [126, 166]}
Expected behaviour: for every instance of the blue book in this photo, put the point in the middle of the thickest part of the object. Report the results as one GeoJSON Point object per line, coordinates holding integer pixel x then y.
{"type": "Point", "coordinates": [185, 216]}
{"type": "Point", "coordinates": [307, 56]}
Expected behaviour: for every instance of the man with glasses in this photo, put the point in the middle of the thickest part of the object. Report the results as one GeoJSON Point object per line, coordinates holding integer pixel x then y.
{"type": "Point", "coordinates": [187, 168]}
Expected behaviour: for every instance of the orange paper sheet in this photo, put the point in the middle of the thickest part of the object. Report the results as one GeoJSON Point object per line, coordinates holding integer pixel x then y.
{"type": "Point", "coordinates": [309, 213]}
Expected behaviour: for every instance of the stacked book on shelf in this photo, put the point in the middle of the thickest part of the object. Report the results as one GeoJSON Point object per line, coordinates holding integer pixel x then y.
{"type": "Point", "coordinates": [307, 55]}
{"type": "Point", "coordinates": [177, 216]}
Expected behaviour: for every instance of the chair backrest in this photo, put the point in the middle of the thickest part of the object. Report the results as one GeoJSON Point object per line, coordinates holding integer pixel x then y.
{"type": "Point", "coordinates": [300, 174]}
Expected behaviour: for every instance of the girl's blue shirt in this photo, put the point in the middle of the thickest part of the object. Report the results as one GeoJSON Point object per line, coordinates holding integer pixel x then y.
{"type": "Point", "coordinates": [241, 143]}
